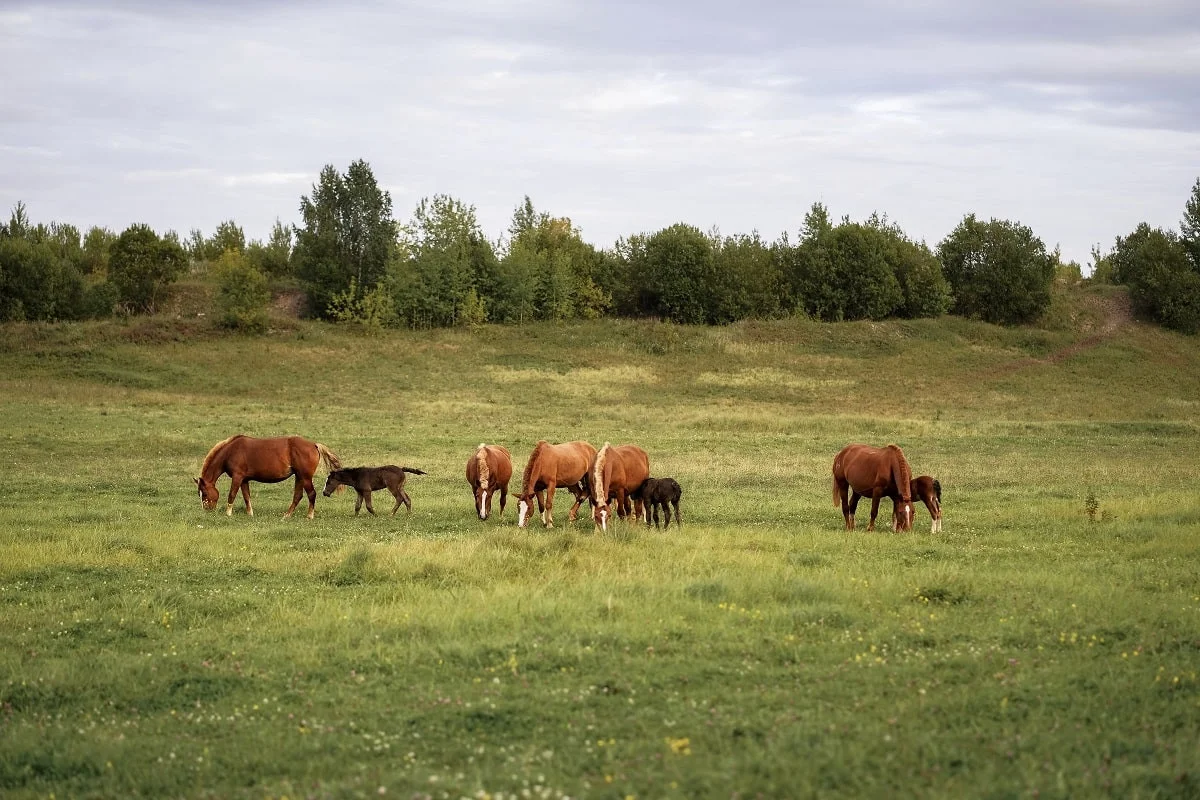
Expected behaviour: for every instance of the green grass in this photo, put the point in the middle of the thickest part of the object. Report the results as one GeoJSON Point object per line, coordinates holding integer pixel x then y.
{"type": "Point", "coordinates": [148, 648]}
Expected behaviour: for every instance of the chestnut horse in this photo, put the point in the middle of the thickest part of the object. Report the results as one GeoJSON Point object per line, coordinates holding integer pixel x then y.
{"type": "Point", "coordinates": [244, 459]}
{"type": "Point", "coordinates": [929, 489]}
{"type": "Point", "coordinates": [876, 472]}
{"type": "Point", "coordinates": [489, 469]}
{"type": "Point", "coordinates": [617, 472]}
{"type": "Point", "coordinates": [551, 466]}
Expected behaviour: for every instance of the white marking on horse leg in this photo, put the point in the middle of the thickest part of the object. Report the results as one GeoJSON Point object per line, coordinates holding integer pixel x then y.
{"type": "Point", "coordinates": [229, 510]}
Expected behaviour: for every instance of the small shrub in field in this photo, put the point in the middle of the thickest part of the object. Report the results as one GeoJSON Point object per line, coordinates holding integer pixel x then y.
{"type": "Point", "coordinates": [242, 293]}
{"type": "Point", "coordinates": [1091, 505]}
{"type": "Point", "coordinates": [371, 310]}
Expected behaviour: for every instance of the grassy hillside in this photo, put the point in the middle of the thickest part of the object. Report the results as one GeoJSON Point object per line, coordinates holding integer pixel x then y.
{"type": "Point", "coordinates": [1032, 649]}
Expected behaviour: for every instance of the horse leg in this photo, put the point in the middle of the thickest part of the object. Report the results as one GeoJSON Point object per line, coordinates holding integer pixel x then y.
{"type": "Point", "coordinates": [246, 497]}
{"type": "Point", "coordinates": [406, 500]}
{"type": "Point", "coordinates": [503, 498]}
{"type": "Point", "coordinates": [654, 513]}
{"type": "Point", "coordinates": [311, 491]}
{"type": "Point", "coordinates": [297, 491]}
{"type": "Point", "coordinates": [370, 506]}
{"type": "Point", "coordinates": [358, 503]}
{"type": "Point", "coordinates": [548, 517]}
{"type": "Point", "coordinates": [234, 487]}
{"type": "Point", "coordinates": [875, 496]}
{"type": "Point", "coordinates": [397, 494]}
{"type": "Point", "coordinates": [850, 509]}
{"type": "Point", "coordinates": [667, 514]}
{"type": "Point", "coordinates": [678, 518]}
{"type": "Point", "coordinates": [843, 495]}
{"type": "Point", "coordinates": [573, 514]}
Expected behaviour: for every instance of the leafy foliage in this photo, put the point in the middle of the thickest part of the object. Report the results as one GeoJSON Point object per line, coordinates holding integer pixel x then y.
{"type": "Point", "coordinates": [348, 234]}
{"type": "Point", "coordinates": [371, 310]}
{"type": "Point", "coordinates": [142, 265]}
{"type": "Point", "coordinates": [1189, 226]}
{"type": "Point", "coordinates": [998, 270]}
{"type": "Point", "coordinates": [443, 256]}
{"type": "Point", "coordinates": [242, 293]}
{"type": "Point", "coordinates": [1163, 282]}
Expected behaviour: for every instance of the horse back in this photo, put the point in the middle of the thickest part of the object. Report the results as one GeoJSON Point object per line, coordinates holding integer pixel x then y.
{"type": "Point", "coordinates": [571, 461]}
{"type": "Point", "coordinates": [631, 466]}
{"type": "Point", "coordinates": [271, 459]}
{"type": "Point", "coordinates": [864, 467]}
{"type": "Point", "coordinates": [500, 463]}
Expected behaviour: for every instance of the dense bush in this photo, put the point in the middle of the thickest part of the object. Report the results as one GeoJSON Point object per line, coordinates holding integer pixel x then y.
{"type": "Point", "coordinates": [1163, 282]}
{"type": "Point", "coordinates": [142, 265]}
{"type": "Point", "coordinates": [243, 294]}
{"type": "Point", "coordinates": [998, 270]}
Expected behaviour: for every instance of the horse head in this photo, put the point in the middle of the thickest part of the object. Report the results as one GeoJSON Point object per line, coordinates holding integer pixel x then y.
{"type": "Point", "coordinates": [902, 514]}
{"type": "Point", "coordinates": [524, 509]}
{"type": "Point", "coordinates": [208, 493]}
{"type": "Point", "coordinates": [333, 483]}
{"type": "Point", "coordinates": [600, 515]}
{"type": "Point", "coordinates": [483, 503]}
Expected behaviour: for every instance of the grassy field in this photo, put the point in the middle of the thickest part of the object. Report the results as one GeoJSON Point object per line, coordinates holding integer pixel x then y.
{"type": "Point", "coordinates": [148, 648]}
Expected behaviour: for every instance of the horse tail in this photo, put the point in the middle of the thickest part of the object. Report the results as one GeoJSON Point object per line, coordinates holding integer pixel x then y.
{"type": "Point", "coordinates": [414, 470]}
{"type": "Point", "coordinates": [332, 462]}
{"type": "Point", "coordinates": [937, 489]}
{"type": "Point", "coordinates": [481, 459]}
{"type": "Point", "coordinates": [837, 500]}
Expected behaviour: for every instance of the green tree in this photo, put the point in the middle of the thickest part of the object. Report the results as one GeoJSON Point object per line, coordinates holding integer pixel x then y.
{"type": "Point", "coordinates": [998, 270]}
{"type": "Point", "coordinates": [96, 245]}
{"type": "Point", "coordinates": [925, 290]}
{"type": "Point", "coordinates": [548, 271]}
{"type": "Point", "coordinates": [678, 273]}
{"type": "Point", "coordinates": [142, 265]}
{"type": "Point", "coordinates": [228, 236]}
{"type": "Point", "coordinates": [242, 293]}
{"type": "Point", "coordinates": [348, 233]}
{"type": "Point", "coordinates": [36, 282]}
{"type": "Point", "coordinates": [749, 280]}
{"type": "Point", "coordinates": [1163, 284]}
{"type": "Point", "coordinates": [1189, 226]}
{"type": "Point", "coordinates": [809, 267]}
{"type": "Point", "coordinates": [444, 255]}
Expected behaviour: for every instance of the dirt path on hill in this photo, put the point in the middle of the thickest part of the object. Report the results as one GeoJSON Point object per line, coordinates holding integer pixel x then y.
{"type": "Point", "coordinates": [1117, 313]}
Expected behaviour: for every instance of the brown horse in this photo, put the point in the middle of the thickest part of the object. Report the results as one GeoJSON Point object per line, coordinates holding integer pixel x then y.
{"type": "Point", "coordinates": [489, 469]}
{"type": "Point", "coordinates": [551, 466]}
{"type": "Point", "coordinates": [616, 473]}
{"type": "Point", "coordinates": [864, 471]}
{"type": "Point", "coordinates": [244, 459]}
{"type": "Point", "coordinates": [929, 489]}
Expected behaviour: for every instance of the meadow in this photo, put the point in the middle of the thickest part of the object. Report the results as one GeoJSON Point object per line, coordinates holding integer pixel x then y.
{"type": "Point", "coordinates": [1046, 644]}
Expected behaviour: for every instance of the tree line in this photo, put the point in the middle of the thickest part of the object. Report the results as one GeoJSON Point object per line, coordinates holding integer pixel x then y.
{"type": "Point", "coordinates": [357, 263]}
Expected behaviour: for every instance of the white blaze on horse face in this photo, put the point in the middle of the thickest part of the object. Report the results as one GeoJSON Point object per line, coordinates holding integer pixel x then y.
{"type": "Point", "coordinates": [522, 513]}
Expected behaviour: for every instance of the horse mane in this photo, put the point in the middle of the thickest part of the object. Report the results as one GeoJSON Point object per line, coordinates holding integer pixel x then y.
{"type": "Point", "coordinates": [212, 454]}
{"type": "Point", "coordinates": [481, 460]}
{"type": "Point", "coordinates": [598, 474]}
{"type": "Point", "coordinates": [533, 457]}
{"type": "Point", "coordinates": [902, 473]}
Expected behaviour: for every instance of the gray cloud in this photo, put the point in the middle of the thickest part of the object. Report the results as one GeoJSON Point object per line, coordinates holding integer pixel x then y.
{"type": "Point", "coordinates": [1077, 118]}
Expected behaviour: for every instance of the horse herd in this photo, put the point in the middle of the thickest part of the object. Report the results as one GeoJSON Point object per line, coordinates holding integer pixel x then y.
{"type": "Point", "coordinates": [613, 477]}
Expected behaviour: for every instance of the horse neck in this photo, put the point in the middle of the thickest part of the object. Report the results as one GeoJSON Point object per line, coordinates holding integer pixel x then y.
{"type": "Point", "coordinates": [215, 462]}
{"type": "Point", "coordinates": [532, 469]}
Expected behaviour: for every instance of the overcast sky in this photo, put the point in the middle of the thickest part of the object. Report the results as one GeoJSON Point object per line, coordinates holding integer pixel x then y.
{"type": "Point", "coordinates": [1079, 119]}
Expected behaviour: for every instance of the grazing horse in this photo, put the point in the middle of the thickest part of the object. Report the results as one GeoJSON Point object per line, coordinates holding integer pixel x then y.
{"type": "Point", "coordinates": [860, 470]}
{"type": "Point", "coordinates": [929, 489]}
{"type": "Point", "coordinates": [489, 469]}
{"type": "Point", "coordinates": [366, 480]}
{"type": "Point", "coordinates": [617, 472]}
{"type": "Point", "coordinates": [656, 492]}
{"type": "Point", "coordinates": [551, 466]}
{"type": "Point", "coordinates": [246, 459]}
